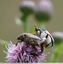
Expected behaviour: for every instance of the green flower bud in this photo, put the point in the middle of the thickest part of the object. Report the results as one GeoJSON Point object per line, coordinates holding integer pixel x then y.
{"type": "Point", "coordinates": [27, 7]}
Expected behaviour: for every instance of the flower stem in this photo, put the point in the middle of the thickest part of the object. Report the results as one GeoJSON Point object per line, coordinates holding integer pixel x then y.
{"type": "Point", "coordinates": [25, 23]}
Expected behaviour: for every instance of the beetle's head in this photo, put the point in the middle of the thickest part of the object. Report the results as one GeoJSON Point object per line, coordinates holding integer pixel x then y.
{"type": "Point", "coordinates": [21, 38]}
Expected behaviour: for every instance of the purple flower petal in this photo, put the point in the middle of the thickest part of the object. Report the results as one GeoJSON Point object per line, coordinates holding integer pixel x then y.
{"type": "Point", "coordinates": [24, 53]}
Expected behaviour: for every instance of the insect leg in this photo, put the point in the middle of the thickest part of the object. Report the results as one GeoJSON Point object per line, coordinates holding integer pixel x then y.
{"type": "Point", "coordinates": [42, 48]}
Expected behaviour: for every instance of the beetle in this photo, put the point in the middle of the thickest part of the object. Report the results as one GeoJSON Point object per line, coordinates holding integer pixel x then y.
{"type": "Point", "coordinates": [41, 38]}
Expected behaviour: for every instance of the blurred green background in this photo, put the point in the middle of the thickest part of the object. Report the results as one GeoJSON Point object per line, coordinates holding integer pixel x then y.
{"type": "Point", "coordinates": [9, 31]}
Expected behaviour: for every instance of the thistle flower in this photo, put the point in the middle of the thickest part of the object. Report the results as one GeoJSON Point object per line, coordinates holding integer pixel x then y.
{"type": "Point", "coordinates": [44, 10]}
{"type": "Point", "coordinates": [24, 53]}
{"type": "Point", "coordinates": [27, 7]}
{"type": "Point", "coordinates": [58, 36]}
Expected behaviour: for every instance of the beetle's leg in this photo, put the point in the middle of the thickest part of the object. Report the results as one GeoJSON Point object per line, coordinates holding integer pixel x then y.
{"type": "Point", "coordinates": [17, 42]}
{"type": "Point", "coordinates": [42, 48]}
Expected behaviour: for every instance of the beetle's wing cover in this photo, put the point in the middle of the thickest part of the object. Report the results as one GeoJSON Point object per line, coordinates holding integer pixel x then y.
{"type": "Point", "coordinates": [31, 36]}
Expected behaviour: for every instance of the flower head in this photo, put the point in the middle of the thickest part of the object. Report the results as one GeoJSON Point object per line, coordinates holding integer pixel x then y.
{"type": "Point", "coordinates": [27, 6]}
{"type": "Point", "coordinates": [24, 53]}
{"type": "Point", "coordinates": [58, 36]}
{"type": "Point", "coordinates": [44, 10]}
{"type": "Point", "coordinates": [45, 6]}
